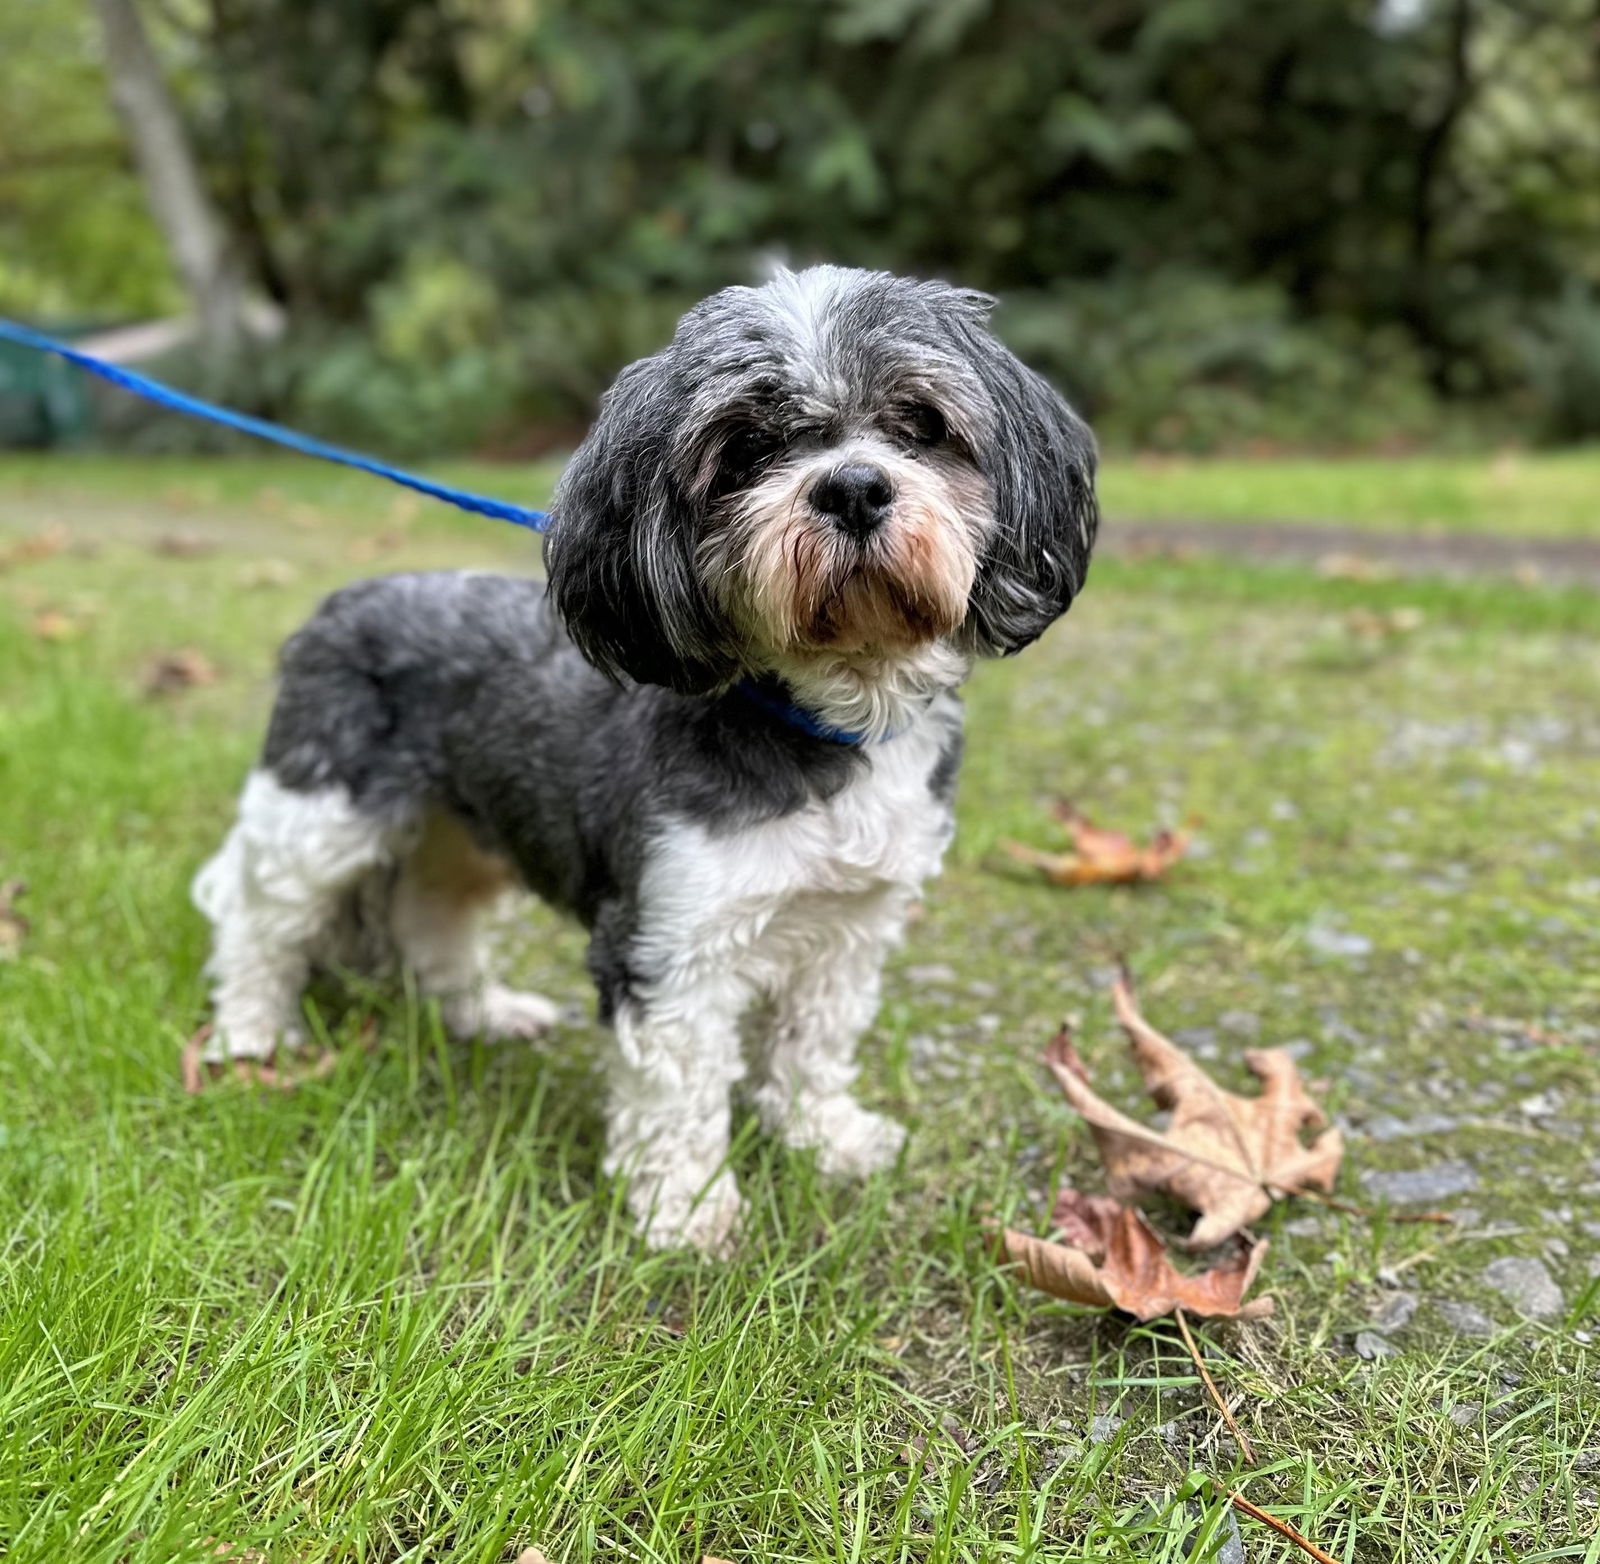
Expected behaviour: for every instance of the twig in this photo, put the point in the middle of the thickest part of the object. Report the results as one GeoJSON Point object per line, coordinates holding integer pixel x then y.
{"type": "Point", "coordinates": [1283, 1528]}
{"type": "Point", "coordinates": [1238, 1433]}
{"type": "Point", "coordinates": [1350, 1208]}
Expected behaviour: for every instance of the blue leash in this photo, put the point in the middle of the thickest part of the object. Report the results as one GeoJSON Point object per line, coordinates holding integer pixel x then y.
{"type": "Point", "coordinates": [182, 402]}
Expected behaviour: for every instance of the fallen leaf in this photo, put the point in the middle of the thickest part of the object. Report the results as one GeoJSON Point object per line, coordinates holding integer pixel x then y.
{"type": "Point", "coordinates": [532, 1556]}
{"type": "Point", "coordinates": [1352, 567]}
{"type": "Point", "coordinates": [198, 1072]}
{"type": "Point", "coordinates": [41, 545]}
{"type": "Point", "coordinates": [1372, 624]}
{"type": "Point", "coordinates": [51, 624]}
{"type": "Point", "coordinates": [181, 545]}
{"type": "Point", "coordinates": [1102, 857]}
{"type": "Point", "coordinates": [374, 544]}
{"type": "Point", "coordinates": [1226, 1157]}
{"type": "Point", "coordinates": [267, 573]}
{"type": "Point", "coordinates": [13, 926]}
{"type": "Point", "coordinates": [184, 669]}
{"type": "Point", "coordinates": [1109, 1257]}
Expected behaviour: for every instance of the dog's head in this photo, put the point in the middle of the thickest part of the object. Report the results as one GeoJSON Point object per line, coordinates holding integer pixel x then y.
{"type": "Point", "coordinates": [840, 464]}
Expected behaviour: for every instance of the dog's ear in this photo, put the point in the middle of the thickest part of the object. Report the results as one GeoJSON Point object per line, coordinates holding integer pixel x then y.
{"type": "Point", "coordinates": [620, 552]}
{"type": "Point", "coordinates": [1040, 463]}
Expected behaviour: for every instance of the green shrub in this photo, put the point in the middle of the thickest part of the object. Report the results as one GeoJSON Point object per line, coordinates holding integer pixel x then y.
{"type": "Point", "coordinates": [1180, 361]}
{"type": "Point", "coordinates": [1563, 358]}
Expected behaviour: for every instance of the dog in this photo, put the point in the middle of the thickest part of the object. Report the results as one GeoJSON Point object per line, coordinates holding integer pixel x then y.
{"type": "Point", "coordinates": [724, 734]}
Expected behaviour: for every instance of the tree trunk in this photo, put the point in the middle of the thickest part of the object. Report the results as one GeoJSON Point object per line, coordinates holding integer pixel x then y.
{"type": "Point", "coordinates": [195, 237]}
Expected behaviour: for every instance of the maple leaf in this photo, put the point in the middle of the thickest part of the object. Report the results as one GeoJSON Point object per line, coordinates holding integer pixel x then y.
{"type": "Point", "coordinates": [1110, 1257]}
{"type": "Point", "coordinates": [1102, 857]}
{"type": "Point", "coordinates": [1226, 1157]}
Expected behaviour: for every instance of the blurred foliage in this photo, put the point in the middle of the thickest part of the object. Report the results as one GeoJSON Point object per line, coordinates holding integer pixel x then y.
{"type": "Point", "coordinates": [1215, 222]}
{"type": "Point", "coordinates": [75, 239]}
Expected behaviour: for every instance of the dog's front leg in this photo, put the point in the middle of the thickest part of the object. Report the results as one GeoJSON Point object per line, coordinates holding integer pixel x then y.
{"type": "Point", "coordinates": [819, 1016]}
{"type": "Point", "coordinates": [674, 1062]}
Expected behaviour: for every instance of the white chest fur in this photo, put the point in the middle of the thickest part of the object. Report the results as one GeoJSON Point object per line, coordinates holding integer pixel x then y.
{"type": "Point", "coordinates": [839, 870]}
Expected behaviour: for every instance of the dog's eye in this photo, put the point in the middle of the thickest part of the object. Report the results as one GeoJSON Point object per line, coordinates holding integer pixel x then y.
{"type": "Point", "coordinates": [747, 448]}
{"type": "Point", "coordinates": [924, 424]}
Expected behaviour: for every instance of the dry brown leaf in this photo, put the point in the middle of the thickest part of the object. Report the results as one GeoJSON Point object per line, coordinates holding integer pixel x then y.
{"type": "Point", "coordinates": [374, 544]}
{"type": "Point", "coordinates": [1225, 1156]}
{"type": "Point", "coordinates": [1353, 567]}
{"type": "Point", "coordinates": [40, 546]}
{"type": "Point", "coordinates": [51, 624]}
{"type": "Point", "coordinates": [13, 926]}
{"type": "Point", "coordinates": [1109, 1257]}
{"type": "Point", "coordinates": [181, 545]}
{"type": "Point", "coordinates": [1102, 857]}
{"type": "Point", "coordinates": [185, 669]}
{"type": "Point", "coordinates": [267, 573]}
{"type": "Point", "coordinates": [1382, 625]}
{"type": "Point", "coordinates": [281, 1076]}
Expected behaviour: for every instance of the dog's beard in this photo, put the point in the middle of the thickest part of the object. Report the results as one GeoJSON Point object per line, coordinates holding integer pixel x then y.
{"type": "Point", "coordinates": [797, 583]}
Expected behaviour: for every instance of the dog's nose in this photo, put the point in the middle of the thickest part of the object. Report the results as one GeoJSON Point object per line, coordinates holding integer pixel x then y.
{"type": "Point", "coordinates": [856, 495]}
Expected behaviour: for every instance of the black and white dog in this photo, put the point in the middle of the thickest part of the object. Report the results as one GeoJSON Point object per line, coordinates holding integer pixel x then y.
{"type": "Point", "coordinates": [725, 736]}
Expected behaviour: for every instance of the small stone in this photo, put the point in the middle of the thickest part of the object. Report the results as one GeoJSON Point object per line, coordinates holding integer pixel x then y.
{"type": "Point", "coordinates": [1465, 1413]}
{"type": "Point", "coordinates": [1370, 1347]}
{"type": "Point", "coordinates": [1542, 1106]}
{"type": "Point", "coordinates": [1417, 1186]}
{"type": "Point", "coordinates": [1526, 1284]}
{"type": "Point", "coordinates": [1242, 1023]}
{"type": "Point", "coordinates": [1231, 1550]}
{"type": "Point", "coordinates": [1103, 1428]}
{"type": "Point", "coordinates": [1386, 1127]}
{"type": "Point", "coordinates": [1395, 1312]}
{"type": "Point", "coordinates": [1338, 944]}
{"type": "Point", "coordinates": [1464, 1319]}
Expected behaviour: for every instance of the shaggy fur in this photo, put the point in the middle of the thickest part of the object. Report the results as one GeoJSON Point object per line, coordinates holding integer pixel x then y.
{"type": "Point", "coordinates": [833, 492]}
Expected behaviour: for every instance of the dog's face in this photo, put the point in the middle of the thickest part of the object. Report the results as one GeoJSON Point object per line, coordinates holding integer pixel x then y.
{"type": "Point", "coordinates": [840, 464]}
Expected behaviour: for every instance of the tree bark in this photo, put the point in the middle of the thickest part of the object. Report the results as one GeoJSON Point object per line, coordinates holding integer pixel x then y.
{"type": "Point", "coordinates": [183, 211]}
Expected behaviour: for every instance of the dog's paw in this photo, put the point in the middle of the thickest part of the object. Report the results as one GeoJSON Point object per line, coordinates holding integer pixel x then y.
{"type": "Point", "coordinates": [512, 1013]}
{"type": "Point", "coordinates": [851, 1141]}
{"type": "Point", "coordinates": [710, 1222]}
{"type": "Point", "coordinates": [502, 1013]}
{"type": "Point", "coordinates": [224, 1043]}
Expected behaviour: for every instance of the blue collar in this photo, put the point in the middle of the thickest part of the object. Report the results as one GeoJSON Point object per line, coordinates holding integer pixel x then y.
{"type": "Point", "coordinates": [773, 695]}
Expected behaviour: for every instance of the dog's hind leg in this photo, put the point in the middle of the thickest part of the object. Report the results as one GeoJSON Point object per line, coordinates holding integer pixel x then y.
{"type": "Point", "coordinates": [273, 895]}
{"type": "Point", "coordinates": [445, 883]}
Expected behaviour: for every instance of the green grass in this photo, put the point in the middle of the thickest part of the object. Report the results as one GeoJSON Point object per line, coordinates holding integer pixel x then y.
{"type": "Point", "coordinates": [1528, 495]}
{"type": "Point", "coordinates": [399, 1315]}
